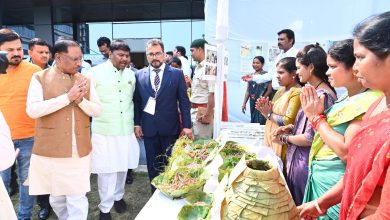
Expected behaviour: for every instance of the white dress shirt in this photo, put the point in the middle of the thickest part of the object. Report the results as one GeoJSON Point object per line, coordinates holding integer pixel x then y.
{"type": "Point", "coordinates": [153, 75]}
{"type": "Point", "coordinates": [185, 66]}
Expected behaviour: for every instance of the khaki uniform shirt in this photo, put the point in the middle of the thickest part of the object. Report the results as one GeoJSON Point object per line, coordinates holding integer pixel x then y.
{"type": "Point", "coordinates": [200, 88]}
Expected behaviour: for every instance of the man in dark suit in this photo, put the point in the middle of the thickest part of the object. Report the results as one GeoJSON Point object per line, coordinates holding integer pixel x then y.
{"type": "Point", "coordinates": [160, 92]}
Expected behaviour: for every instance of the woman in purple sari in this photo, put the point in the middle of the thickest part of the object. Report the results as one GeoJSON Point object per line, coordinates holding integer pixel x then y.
{"type": "Point", "coordinates": [311, 69]}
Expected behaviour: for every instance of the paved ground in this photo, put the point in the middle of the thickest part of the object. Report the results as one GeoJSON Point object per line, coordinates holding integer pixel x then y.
{"type": "Point", "coordinates": [136, 196]}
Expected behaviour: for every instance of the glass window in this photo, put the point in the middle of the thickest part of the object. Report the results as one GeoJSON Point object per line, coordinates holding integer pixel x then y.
{"type": "Point", "coordinates": [64, 30]}
{"type": "Point", "coordinates": [176, 33]}
{"type": "Point", "coordinates": [97, 30]}
{"type": "Point", "coordinates": [26, 32]}
{"type": "Point", "coordinates": [136, 30]}
{"type": "Point", "coordinates": [171, 32]}
{"type": "Point", "coordinates": [197, 29]}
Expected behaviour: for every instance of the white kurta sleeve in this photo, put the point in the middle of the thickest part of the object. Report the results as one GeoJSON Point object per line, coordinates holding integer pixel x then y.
{"type": "Point", "coordinates": [7, 150]}
{"type": "Point", "coordinates": [37, 106]}
{"type": "Point", "coordinates": [92, 106]}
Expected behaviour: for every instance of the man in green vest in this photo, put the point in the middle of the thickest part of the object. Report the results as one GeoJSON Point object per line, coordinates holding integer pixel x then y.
{"type": "Point", "coordinates": [115, 147]}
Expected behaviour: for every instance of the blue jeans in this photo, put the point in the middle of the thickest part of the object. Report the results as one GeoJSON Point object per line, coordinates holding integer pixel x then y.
{"type": "Point", "coordinates": [26, 201]}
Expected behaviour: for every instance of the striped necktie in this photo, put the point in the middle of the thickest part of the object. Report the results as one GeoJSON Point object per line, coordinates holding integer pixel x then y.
{"type": "Point", "coordinates": [156, 79]}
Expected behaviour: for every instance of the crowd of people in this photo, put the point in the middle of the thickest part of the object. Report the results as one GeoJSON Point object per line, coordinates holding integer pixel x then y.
{"type": "Point", "coordinates": [335, 151]}
{"type": "Point", "coordinates": [67, 121]}
{"type": "Point", "coordinates": [62, 121]}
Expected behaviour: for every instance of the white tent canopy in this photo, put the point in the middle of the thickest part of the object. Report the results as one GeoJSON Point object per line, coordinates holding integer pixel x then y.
{"type": "Point", "coordinates": [253, 22]}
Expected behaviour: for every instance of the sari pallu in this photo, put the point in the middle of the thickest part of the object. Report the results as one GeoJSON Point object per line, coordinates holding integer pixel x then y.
{"type": "Point", "coordinates": [256, 90]}
{"type": "Point", "coordinates": [297, 158]}
{"type": "Point", "coordinates": [368, 162]}
{"type": "Point", "coordinates": [322, 176]}
{"type": "Point", "coordinates": [286, 105]}
{"type": "Point", "coordinates": [345, 110]}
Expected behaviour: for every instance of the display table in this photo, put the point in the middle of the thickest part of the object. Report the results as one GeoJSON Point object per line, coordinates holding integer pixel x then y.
{"type": "Point", "coordinates": [163, 207]}
{"type": "Point", "coordinates": [160, 206]}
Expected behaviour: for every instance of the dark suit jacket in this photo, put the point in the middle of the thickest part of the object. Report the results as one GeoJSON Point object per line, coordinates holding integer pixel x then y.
{"type": "Point", "coordinates": [171, 95]}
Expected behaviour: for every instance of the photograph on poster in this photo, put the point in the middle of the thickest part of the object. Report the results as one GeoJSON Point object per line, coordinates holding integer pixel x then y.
{"type": "Point", "coordinates": [245, 50]}
{"type": "Point", "coordinates": [225, 65]}
{"type": "Point", "coordinates": [211, 57]}
{"type": "Point", "coordinates": [210, 66]}
{"type": "Point", "coordinates": [226, 59]}
{"type": "Point", "coordinates": [273, 52]}
{"type": "Point", "coordinates": [258, 50]}
{"type": "Point", "coordinates": [211, 70]}
{"type": "Point", "coordinates": [248, 50]}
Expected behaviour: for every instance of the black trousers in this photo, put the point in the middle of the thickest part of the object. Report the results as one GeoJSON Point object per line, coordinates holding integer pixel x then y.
{"type": "Point", "coordinates": [14, 178]}
{"type": "Point", "coordinates": [43, 201]}
{"type": "Point", "coordinates": [158, 149]}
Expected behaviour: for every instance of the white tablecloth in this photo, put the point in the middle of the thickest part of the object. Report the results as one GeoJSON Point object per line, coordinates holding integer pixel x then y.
{"type": "Point", "coordinates": [160, 206]}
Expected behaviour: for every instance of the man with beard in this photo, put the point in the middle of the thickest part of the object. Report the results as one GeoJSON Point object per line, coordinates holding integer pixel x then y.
{"type": "Point", "coordinates": [160, 91]}
{"type": "Point", "coordinates": [13, 96]}
{"type": "Point", "coordinates": [115, 147]}
{"type": "Point", "coordinates": [62, 100]}
{"type": "Point", "coordinates": [286, 41]}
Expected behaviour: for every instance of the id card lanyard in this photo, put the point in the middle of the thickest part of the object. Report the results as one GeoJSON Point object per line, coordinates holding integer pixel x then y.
{"type": "Point", "coordinates": [150, 106]}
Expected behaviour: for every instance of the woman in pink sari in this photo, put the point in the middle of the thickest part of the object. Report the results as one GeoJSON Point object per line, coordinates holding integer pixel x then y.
{"type": "Point", "coordinates": [364, 191]}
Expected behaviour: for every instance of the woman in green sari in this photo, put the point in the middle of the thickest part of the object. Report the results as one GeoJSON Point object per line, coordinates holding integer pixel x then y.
{"type": "Point", "coordinates": [335, 126]}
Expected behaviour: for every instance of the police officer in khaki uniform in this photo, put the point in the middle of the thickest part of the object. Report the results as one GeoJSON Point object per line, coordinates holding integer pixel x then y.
{"type": "Point", "coordinates": [202, 94]}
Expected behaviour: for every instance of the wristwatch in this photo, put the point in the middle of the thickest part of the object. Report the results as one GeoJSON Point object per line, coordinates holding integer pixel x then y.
{"type": "Point", "coordinates": [269, 115]}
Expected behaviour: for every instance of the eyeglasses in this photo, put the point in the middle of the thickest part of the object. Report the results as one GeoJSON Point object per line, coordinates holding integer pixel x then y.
{"type": "Point", "coordinates": [157, 55]}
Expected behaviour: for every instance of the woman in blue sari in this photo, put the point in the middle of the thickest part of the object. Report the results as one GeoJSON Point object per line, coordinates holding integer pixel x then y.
{"type": "Point", "coordinates": [255, 91]}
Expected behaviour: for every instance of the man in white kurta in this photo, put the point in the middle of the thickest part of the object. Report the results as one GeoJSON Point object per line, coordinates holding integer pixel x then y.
{"type": "Point", "coordinates": [180, 53]}
{"type": "Point", "coordinates": [7, 158]}
{"type": "Point", "coordinates": [61, 97]}
{"type": "Point", "coordinates": [114, 146]}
